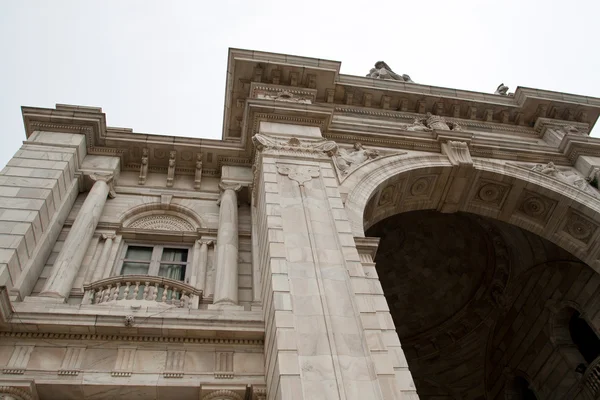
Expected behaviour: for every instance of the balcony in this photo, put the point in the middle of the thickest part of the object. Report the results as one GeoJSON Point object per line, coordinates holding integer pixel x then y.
{"type": "Point", "coordinates": [129, 289]}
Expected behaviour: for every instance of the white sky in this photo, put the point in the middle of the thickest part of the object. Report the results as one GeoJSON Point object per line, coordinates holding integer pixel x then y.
{"type": "Point", "coordinates": [159, 67]}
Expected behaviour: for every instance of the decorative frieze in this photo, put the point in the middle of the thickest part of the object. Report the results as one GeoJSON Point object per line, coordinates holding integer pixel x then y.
{"type": "Point", "coordinates": [124, 363]}
{"type": "Point", "coordinates": [124, 338]}
{"type": "Point", "coordinates": [224, 365]}
{"type": "Point", "coordinates": [71, 363]}
{"type": "Point", "coordinates": [174, 364]}
{"type": "Point", "coordinates": [18, 360]}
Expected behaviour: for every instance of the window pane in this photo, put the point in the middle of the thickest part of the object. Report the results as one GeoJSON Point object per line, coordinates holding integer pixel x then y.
{"type": "Point", "coordinates": [172, 271]}
{"type": "Point", "coordinates": [139, 253]}
{"type": "Point", "coordinates": [134, 268]}
{"type": "Point", "coordinates": [179, 255]}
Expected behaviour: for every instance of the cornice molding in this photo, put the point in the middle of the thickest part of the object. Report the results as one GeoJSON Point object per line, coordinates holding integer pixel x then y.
{"type": "Point", "coordinates": [464, 122]}
{"type": "Point", "coordinates": [124, 338]}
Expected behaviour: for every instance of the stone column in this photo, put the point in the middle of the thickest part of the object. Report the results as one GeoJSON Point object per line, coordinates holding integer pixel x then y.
{"type": "Point", "coordinates": [226, 282]}
{"type": "Point", "coordinates": [69, 260]}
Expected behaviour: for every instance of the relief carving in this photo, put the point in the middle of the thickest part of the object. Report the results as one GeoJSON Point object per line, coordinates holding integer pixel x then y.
{"type": "Point", "coordinates": [535, 206]}
{"type": "Point", "coordinates": [15, 393]}
{"type": "Point", "coordinates": [222, 394]}
{"type": "Point", "coordinates": [491, 193]}
{"type": "Point", "coordinates": [580, 227]}
{"type": "Point", "coordinates": [432, 122]}
{"type": "Point", "coordinates": [572, 178]}
{"type": "Point", "coordinates": [264, 142]}
{"type": "Point", "coordinates": [299, 173]}
{"type": "Point", "coordinates": [346, 161]}
{"type": "Point", "coordinates": [422, 186]}
{"type": "Point", "coordinates": [285, 96]}
{"type": "Point", "coordinates": [163, 223]}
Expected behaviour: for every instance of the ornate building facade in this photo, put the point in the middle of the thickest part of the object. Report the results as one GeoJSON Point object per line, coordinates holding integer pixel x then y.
{"type": "Point", "coordinates": [348, 238]}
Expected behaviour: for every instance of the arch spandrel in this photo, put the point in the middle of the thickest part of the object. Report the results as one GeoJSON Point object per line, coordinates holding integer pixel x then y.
{"type": "Point", "coordinates": [512, 193]}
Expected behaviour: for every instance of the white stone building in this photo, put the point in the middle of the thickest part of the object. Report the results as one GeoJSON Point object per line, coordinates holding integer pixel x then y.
{"type": "Point", "coordinates": [348, 238]}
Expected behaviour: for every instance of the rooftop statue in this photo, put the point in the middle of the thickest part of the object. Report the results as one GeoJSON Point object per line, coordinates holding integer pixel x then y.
{"type": "Point", "coordinates": [383, 71]}
{"type": "Point", "coordinates": [502, 90]}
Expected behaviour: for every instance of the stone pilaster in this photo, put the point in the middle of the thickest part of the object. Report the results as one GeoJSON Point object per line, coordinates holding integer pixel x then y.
{"type": "Point", "coordinates": [69, 259]}
{"type": "Point", "coordinates": [315, 341]}
{"type": "Point", "coordinates": [202, 263]}
{"type": "Point", "coordinates": [226, 282]}
{"type": "Point", "coordinates": [103, 263]}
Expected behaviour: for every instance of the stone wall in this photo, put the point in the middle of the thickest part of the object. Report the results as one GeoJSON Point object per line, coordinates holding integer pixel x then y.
{"type": "Point", "coordinates": [38, 187]}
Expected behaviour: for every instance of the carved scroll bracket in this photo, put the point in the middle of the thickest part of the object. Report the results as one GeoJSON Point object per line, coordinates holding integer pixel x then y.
{"type": "Point", "coordinates": [458, 153]}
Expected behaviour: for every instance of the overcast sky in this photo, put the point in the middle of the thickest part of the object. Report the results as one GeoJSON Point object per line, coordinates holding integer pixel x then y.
{"type": "Point", "coordinates": [159, 67]}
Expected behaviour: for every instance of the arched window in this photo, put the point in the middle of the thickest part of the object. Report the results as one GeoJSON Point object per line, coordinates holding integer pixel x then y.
{"type": "Point", "coordinates": [584, 337]}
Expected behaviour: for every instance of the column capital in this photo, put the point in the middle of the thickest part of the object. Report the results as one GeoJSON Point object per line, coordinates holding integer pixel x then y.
{"type": "Point", "coordinates": [230, 186]}
{"type": "Point", "coordinates": [106, 178]}
{"type": "Point", "coordinates": [110, 236]}
{"type": "Point", "coordinates": [225, 186]}
{"type": "Point", "coordinates": [207, 242]}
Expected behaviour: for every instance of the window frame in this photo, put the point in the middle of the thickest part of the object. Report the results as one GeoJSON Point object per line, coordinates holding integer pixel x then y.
{"type": "Point", "coordinates": [156, 258]}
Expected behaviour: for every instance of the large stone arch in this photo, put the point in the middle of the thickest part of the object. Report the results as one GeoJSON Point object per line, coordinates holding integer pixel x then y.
{"type": "Point", "coordinates": [510, 192]}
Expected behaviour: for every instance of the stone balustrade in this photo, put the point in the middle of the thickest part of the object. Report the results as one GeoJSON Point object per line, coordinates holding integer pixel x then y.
{"type": "Point", "coordinates": [591, 379]}
{"type": "Point", "coordinates": [142, 287]}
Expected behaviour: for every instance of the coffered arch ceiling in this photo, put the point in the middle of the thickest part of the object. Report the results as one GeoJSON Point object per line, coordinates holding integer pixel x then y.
{"type": "Point", "coordinates": [469, 297]}
{"type": "Point", "coordinates": [509, 192]}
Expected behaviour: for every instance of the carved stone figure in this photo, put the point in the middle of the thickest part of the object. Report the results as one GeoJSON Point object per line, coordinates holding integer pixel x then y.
{"type": "Point", "coordinates": [594, 177]}
{"type": "Point", "coordinates": [572, 179]}
{"type": "Point", "coordinates": [144, 167]}
{"type": "Point", "coordinates": [346, 160]}
{"type": "Point", "coordinates": [198, 176]}
{"type": "Point", "coordinates": [502, 90]}
{"type": "Point", "coordinates": [432, 122]}
{"type": "Point", "coordinates": [418, 126]}
{"type": "Point", "coordinates": [171, 170]}
{"type": "Point", "coordinates": [437, 122]}
{"type": "Point", "coordinates": [383, 71]}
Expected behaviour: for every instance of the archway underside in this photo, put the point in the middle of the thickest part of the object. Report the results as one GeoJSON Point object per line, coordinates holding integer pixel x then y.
{"type": "Point", "coordinates": [475, 300]}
